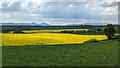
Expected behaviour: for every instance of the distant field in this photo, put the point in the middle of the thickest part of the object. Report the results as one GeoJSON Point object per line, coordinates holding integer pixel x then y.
{"type": "Point", "coordinates": [46, 38]}
{"type": "Point", "coordinates": [51, 31]}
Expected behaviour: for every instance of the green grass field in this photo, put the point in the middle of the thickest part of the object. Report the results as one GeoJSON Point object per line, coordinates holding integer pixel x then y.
{"type": "Point", "coordinates": [104, 53]}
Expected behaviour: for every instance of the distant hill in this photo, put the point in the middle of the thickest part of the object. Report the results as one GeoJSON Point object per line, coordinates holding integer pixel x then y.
{"type": "Point", "coordinates": [73, 24]}
{"type": "Point", "coordinates": [44, 24]}
{"type": "Point", "coordinates": [94, 24]}
{"type": "Point", "coordinates": [29, 24]}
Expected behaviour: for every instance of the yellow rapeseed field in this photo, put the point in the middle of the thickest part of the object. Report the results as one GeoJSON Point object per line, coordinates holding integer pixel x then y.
{"type": "Point", "coordinates": [50, 31]}
{"type": "Point", "coordinates": [46, 38]}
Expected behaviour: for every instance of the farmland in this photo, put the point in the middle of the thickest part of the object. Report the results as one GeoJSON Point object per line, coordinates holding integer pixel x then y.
{"type": "Point", "coordinates": [45, 37]}
{"type": "Point", "coordinates": [52, 48]}
{"type": "Point", "coordinates": [52, 31]}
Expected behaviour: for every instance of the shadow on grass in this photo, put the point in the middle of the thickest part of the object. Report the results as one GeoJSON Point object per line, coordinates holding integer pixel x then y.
{"type": "Point", "coordinates": [45, 45]}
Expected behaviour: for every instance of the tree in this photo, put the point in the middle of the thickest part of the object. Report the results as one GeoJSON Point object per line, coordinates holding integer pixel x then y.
{"type": "Point", "coordinates": [98, 29]}
{"type": "Point", "coordinates": [109, 31]}
{"type": "Point", "coordinates": [18, 30]}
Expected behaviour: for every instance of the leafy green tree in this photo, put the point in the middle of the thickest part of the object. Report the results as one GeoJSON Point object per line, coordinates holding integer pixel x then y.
{"type": "Point", "coordinates": [109, 31]}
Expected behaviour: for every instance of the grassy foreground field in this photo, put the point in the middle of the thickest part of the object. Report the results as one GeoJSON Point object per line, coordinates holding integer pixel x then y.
{"type": "Point", "coordinates": [104, 53]}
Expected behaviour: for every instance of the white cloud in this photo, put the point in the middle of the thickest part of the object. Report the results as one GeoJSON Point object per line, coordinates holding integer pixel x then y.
{"type": "Point", "coordinates": [60, 12]}
{"type": "Point", "coordinates": [87, 4]}
{"type": "Point", "coordinates": [72, 6]}
{"type": "Point", "coordinates": [111, 10]}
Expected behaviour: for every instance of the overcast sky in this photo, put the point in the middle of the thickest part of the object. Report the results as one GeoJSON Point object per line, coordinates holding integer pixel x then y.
{"type": "Point", "coordinates": [59, 12]}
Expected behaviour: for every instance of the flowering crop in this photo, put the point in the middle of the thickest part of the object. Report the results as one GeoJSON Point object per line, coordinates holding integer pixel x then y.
{"type": "Point", "coordinates": [46, 39]}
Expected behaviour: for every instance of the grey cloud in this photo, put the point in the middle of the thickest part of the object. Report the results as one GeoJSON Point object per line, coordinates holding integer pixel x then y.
{"type": "Point", "coordinates": [61, 10]}
{"type": "Point", "coordinates": [58, 10]}
{"type": "Point", "coordinates": [13, 7]}
{"type": "Point", "coordinates": [106, 4]}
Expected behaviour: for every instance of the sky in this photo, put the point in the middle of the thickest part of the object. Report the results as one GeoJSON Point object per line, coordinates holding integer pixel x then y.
{"type": "Point", "coordinates": [58, 13]}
